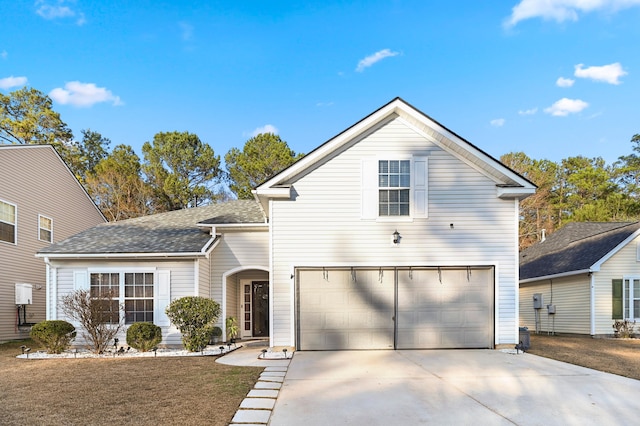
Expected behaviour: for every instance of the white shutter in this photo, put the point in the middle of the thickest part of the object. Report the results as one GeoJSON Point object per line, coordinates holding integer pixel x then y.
{"type": "Point", "coordinates": [163, 298]}
{"type": "Point", "coordinates": [420, 187]}
{"type": "Point", "coordinates": [369, 189]}
{"type": "Point", "coordinates": [80, 280]}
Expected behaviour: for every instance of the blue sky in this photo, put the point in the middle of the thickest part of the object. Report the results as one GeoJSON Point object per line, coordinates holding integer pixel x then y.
{"type": "Point", "coordinates": [553, 78]}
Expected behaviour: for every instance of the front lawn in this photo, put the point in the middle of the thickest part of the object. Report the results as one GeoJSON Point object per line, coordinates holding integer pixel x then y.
{"type": "Point", "coordinates": [617, 356]}
{"type": "Point", "coordinates": [141, 391]}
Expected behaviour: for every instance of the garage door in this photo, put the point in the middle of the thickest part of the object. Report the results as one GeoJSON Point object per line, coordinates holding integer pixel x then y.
{"type": "Point", "coordinates": [357, 308]}
{"type": "Point", "coordinates": [345, 309]}
{"type": "Point", "coordinates": [445, 308]}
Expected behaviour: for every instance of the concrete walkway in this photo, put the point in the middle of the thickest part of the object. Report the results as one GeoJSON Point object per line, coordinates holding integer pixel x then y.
{"type": "Point", "coordinates": [256, 408]}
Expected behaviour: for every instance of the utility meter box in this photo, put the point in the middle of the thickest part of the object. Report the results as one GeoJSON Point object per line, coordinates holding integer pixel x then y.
{"type": "Point", "coordinates": [537, 301]}
{"type": "Point", "coordinates": [551, 309]}
{"type": "Point", "coordinates": [24, 294]}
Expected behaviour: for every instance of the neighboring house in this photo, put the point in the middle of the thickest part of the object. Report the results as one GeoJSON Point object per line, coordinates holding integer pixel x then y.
{"type": "Point", "coordinates": [396, 233]}
{"type": "Point", "coordinates": [588, 273]}
{"type": "Point", "coordinates": [41, 202]}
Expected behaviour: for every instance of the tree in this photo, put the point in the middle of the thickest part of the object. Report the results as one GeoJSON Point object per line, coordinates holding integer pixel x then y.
{"type": "Point", "coordinates": [181, 170]}
{"type": "Point", "coordinates": [98, 313]}
{"type": "Point", "coordinates": [26, 117]}
{"type": "Point", "coordinates": [262, 157]}
{"type": "Point", "coordinates": [117, 187]}
{"type": "Point", "coordinates": [87, 154]}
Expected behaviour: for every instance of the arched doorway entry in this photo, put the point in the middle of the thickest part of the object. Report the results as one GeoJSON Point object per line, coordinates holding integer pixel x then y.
{"type": "Point", "coordinates": [247, 300]}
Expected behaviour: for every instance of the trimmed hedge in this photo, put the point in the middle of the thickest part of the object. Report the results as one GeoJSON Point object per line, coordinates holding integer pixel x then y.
{"type": "Point", "coordinates": [55, 335]}
{"type": "Point", "coordinates": [144, 336]}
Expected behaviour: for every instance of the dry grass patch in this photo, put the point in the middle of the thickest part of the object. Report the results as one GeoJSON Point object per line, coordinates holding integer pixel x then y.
{"type": "Point", "coordinates": [617, 356]}
{"type": "Point", "coordinates": [141, 391]}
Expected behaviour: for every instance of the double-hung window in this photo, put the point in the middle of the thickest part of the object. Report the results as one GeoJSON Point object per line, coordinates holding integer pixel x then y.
{"type": "Point", "coordinates": [45, 229]}
{"type": "Point", "coordinates": [631, 298]}
{"type": "Point", "coordinates": [132, 290]}
{"type": "Point", "coordinates": [394, 183]}
{"type": "Point", "coordinates": [7, 222]}
{"type": "Point", "coordinates": [394, 188]}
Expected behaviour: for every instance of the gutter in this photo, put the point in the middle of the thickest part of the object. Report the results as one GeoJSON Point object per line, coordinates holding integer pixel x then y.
{"type": "Point", "coordinates": [553, 276]}
{"type": "Point", "coordinates": [119, 255]}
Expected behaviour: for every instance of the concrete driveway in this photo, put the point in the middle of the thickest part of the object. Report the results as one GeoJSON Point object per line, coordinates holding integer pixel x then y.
{"type": "Point", "coordinates": [449, 387]}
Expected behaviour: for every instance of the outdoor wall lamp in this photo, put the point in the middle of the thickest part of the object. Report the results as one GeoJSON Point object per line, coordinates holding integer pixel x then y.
{"type": "Point", "coordinates": [396, 237]}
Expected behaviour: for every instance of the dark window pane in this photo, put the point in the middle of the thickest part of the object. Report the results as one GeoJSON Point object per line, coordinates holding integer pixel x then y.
{"type": "Point", "coordinates": [394, 167]}
{"type": "Point", "coordinates": [383, 166]}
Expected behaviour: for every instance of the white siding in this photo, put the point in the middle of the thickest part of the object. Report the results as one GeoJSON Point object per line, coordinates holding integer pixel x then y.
{"type": "Point", "coordinates": [38, 183]}
{"type": "Point", "coordinates": [181, 284]}
{"type": "Point", "coordinates": [570, 295]}
{"type": "Point", "coordinates": [323, 225]}
{"type": "Point", "coordinates": [624, 263]}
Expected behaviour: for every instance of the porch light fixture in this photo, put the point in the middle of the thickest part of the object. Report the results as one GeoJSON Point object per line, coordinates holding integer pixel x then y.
{"type": "Point", "coordinates": [396, 237]}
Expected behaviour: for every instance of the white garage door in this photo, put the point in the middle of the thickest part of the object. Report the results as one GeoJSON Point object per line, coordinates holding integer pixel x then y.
{"type": "Point", "coordinates": [341, 309]}
{"type": "Point", "coordinates": [445, 308]}
{"type": "Point", "coordinates": [357, 309]}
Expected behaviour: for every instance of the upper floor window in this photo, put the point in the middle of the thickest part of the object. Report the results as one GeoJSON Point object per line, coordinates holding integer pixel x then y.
{"type": "Point", "coordinates": [395, 189]}
{"type": "Point", "coordinates": [7, 222]}
{"type": "Point", "coordinates": [394, 183]}
{"type": "Point", "coordinates": [45, 229]}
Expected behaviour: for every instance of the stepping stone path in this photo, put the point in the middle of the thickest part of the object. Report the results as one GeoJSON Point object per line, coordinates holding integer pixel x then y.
{"type": "Point", "coordinates": [256, 408]}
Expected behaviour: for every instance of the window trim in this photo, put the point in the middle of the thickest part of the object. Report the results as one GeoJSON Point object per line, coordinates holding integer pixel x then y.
{"type": "Point", "coordinates": [628, 297]}
{"type": "Point", "coordinates": [40, 229]}
{"type": "Point", "coordinates": [15, 224]}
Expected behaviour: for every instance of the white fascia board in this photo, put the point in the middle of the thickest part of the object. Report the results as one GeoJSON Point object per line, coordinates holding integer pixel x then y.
{"type": "Point", "coordinates": [274, 192]}
{"type": "Point", "coordinates": [554, 276]}
{"type": "Point", "coordinates": [119, 255]}
{"type": "Point", "coordinates": [515, 192]}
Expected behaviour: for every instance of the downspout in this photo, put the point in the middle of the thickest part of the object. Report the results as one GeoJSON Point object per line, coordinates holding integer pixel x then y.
{"type": "Point", "coordinates": [592, 282]}
{"type": "Point", "coordinates": [47, 289]}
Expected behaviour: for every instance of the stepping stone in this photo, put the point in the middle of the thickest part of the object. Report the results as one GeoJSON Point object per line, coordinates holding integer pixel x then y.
{"type": "Point", "coordinates": [267, 385]}
{"type": "Point", "coordinates": [263, 393]}
{"type": "Point", "coordinates": [252, 416]}
{"type": "Point", "coordinates": [272, 379]}
{"type": "Point", "coordinates": [276, 368]}
{"type": "Point", "coordinates": [273, 374]}
{"type": "Point", "coordinates": [258, 403]}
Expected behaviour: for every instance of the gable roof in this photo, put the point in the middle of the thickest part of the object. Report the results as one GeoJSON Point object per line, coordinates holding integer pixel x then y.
{"type": "Point", "coordinates": [579, 247]}
{"type": "Point", "coordinates": [7, 147]}
{"type": "Point", "coordinates": [509, 184]}
{"type": "Point", "coordinates": [175, 233]}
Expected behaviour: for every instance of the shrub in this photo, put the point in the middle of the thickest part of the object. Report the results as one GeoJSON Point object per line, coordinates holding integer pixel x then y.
{"type": "Point", "coordinates": [98, 315]}
{"type": "Point", "coordinates": [144, 336]}
{"type": "Point", "coordinates": [195, 318]}
{"type": "Point", "coordinates": [55, 335]}
{"type": "Point", "coordinates": [216, 333]}
{"type": "Point", "coordinates": [624, 328]}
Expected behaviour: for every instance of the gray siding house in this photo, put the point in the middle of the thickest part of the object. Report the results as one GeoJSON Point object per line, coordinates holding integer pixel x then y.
{"type": "Point", "coordinates": [588, 273]}
{"type": "Point", "coordinates": [396, 233]}
{"type": "Point", "coordinates": [41, 202]}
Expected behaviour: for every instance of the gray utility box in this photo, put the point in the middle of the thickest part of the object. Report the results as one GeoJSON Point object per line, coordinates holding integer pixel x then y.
{"type": "Point", "coordinates": [524, 338]}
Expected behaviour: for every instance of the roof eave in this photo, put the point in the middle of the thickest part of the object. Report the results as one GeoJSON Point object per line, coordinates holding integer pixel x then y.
{"type": "Point", "coordinates": [560, 275]}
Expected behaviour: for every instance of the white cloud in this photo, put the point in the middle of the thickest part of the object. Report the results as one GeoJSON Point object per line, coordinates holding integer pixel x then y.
{"type": "Point", "coordinates": [498, 122]}
{"type": "Point", "coordinates": [563, 10]}
{"type": "Point", "coordinates": [4, 54]}
{"type": "Point", "coordinates": [607, 73]}
{"type": "Point", "coordinates": [9, 82]}
{"type": "Point", "coordinates": [376, 57]}
{"type": "Point", "coordinates": [268, 128]}
{"type": "Point", "coordinates": [565, 106]}
{"type": "Point", "coordinates": [187, 30]}
{"type": "Point", "coordinates": [83, 95]}
{"type": "Point", "coordinates": [324, 104]}
{"type": "Point", "coordinates": [564, 82]}
{"type": "Point", "coordinates": [531, 111]}
{"type": "Point", "coordinates": [58, 9]}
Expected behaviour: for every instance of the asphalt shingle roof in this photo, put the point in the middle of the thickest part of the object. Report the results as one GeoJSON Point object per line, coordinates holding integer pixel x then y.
{"type": "Point", "coordinates": [575, 247]}
{"type": "Point", "coordinates": [170, 232]}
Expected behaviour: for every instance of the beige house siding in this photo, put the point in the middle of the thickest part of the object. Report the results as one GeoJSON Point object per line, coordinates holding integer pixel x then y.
{"type": "Point", "coordinates": [323, 226]}
{"type": "Point", "coordinates": [182, 283]}
{"type": "Point", "coordinates": [37, 182]}
{"type": "Point", "coordinates": [571, 297]}
{"type": "Point", "coordinates": [621, 265]}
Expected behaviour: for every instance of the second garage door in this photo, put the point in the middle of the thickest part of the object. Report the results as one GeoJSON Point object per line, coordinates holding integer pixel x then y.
{"type": "Point", "coordinates": [387, 308]}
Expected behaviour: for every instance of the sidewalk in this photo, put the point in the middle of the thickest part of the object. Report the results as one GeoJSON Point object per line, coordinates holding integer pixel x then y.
{"type": "Point", "coordinates": [256, 408]}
